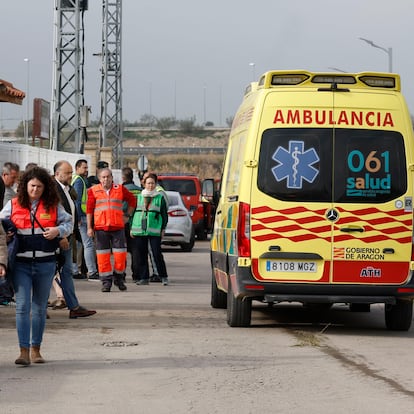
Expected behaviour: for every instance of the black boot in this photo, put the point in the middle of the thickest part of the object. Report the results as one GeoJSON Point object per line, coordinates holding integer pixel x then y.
{"type": "Point", "coordinates": [119, 281]}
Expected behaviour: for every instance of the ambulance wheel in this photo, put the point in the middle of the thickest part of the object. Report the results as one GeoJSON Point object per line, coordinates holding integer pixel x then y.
{"type": "Point", "coordinates": [239, 311]}
{"type": "Point", "coordinates": [218, 297]}
{"type": "Point", "coordinates": [398, 317]}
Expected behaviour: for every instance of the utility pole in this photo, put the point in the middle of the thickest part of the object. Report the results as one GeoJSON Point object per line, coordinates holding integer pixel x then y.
{"type": "Point", "coordinates": [111, 124]}
{"type": "Point", "coordinates": [68, 80]}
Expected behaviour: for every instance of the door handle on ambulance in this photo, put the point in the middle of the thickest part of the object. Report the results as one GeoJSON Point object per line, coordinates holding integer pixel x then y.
{"type": "Point", "coordinates": [352, 229]}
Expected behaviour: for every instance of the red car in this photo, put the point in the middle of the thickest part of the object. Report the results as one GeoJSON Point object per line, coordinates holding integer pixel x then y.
{"type": "Point", "coordinates": [199, 205]}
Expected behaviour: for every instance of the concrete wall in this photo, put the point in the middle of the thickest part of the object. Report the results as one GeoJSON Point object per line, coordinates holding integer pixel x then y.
{"type": "Point", "coordinates": [23, 154]}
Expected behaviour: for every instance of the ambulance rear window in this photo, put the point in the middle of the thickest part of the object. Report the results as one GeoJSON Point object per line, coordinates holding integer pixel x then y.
{"type": "Point", "coordinates": [335, 165]}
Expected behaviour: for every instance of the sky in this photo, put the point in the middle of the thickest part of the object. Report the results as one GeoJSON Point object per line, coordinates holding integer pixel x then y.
{"type": "Point", "coordinates": [188, 58]}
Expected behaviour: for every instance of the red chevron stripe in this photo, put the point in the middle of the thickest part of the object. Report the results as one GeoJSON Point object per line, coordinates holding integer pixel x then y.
{"type": "Point", "coordinates": [286, 229]}
{"type": "Point", "coordinates": [373, 210]}
{"type": "Point", "coordinates": [300, 220]}
{"type": "Point", "coordinates": [299, 238]}
{"type": "Point", "coordinates": [381, 220]}
{"type": "Point", "coordinates": [371, 239]}
{"type": "Point", "coordinates": [337, 239]}
{"type": "Point", "coordinates": [287, 211]}
{"type": "Point", "coordinates": [390, 230]}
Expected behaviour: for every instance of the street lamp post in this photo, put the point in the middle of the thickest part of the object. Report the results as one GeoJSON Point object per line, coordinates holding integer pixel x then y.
{"type": "Point", "coordinates": [204, 104]}
{"type": "Point", "coordinates": [388, 51]}
{"type": "Point", "coordinates": [26, 123]}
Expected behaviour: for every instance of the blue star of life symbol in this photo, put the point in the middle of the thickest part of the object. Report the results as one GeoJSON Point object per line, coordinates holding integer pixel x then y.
{"type": "Point", "coordinates": [295, 165]}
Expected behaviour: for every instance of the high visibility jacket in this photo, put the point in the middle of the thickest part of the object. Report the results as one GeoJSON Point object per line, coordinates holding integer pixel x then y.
{"type": "Point", "coordinates": [31, 242]}
{"type": "Point", "coordinates": [134, 189]}
{"type": "Point", "coordinates": [108, 213]}
{"type": "Point", "coordinates": [150, 220]}
{"type": "Point", "coordinates": [84, 191]}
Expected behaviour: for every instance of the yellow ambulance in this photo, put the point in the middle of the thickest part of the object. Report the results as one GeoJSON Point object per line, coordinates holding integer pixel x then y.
{"type": "Point", "coordinates": [315, 204]}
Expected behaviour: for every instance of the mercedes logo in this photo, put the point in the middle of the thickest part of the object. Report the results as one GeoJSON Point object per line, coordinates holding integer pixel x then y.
{"type": "Point", "coordinates": [332, 215]}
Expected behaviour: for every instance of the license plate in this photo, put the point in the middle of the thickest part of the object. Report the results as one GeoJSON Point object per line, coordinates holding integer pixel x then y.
{"type": "Point", "coordinates": [286, 266]}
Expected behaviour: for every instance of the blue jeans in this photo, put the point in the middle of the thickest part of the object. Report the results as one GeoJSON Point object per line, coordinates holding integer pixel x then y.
{"type": "Point", "coordinates": [66, 281]}
{"type": "Point", "coordinates": [32, 283]}
{"type": "Point", "coordinates": [88, 247]}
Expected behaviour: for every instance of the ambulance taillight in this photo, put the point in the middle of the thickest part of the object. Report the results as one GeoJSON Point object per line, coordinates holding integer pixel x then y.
{"type": "Point", "coordinates": [243, 230]}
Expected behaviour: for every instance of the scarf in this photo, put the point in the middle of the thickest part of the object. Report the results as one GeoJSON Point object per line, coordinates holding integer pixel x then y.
{"type": "Point", "coordinates": [148, 195]}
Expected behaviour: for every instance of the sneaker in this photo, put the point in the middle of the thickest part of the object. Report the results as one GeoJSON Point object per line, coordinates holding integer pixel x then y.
{"type": "Point", "coordinates": [10, 303]}
{"type": "Point", "coordinates": [142, 282]}
{"type": "Point", "coordinates": [164, 281]}
{"type": "Point", "coordinates": [105, 289]}
{"type": "Point", "coordinates": [94, 276]}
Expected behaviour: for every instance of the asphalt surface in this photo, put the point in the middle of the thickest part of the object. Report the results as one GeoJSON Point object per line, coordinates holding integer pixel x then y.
{"type": "Point", "coordinates": [164, 350]}
{"type": "Point", "coordinates": [105, 363]}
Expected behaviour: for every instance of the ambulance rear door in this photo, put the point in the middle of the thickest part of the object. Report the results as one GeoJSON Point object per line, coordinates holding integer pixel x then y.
{"type": "Point", "coordinates": [372, 196]}
{"type": "Point", "coordinates": [291, 235]}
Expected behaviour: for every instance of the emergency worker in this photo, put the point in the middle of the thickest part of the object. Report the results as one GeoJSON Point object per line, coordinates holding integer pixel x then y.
{"type": "Point", "coordinates": [106, 220]}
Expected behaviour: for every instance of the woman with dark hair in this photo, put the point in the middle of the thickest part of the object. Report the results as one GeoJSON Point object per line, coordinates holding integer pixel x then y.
{"type": "Point", "coordinates": [40, 221]}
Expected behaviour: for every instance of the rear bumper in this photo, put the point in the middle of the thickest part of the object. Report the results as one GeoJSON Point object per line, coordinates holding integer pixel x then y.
{"type": "Point", "coordinates": [174, 239]}
{"type": "Point", "coordinates": [247, 286]}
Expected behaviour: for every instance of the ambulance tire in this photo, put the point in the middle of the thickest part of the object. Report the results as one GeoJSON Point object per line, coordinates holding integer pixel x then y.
{"type": "Point", "coordinates": [398, 317]}
{"type": "Point", "coordinates": [239, 311]}
{"type": "Point", "coordinates": [218, 297]}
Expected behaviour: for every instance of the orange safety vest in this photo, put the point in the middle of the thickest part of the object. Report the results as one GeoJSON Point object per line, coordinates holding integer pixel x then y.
{"type": "Point", "coordinates": [108, 213]}
{"type": "Point", "coordinates": [30, 234]}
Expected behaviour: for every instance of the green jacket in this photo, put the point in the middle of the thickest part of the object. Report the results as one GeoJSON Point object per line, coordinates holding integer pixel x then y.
{"type": "Point", "coordinates": [134, 189]}
{"type": "Point", "coordinates": [149, 220]}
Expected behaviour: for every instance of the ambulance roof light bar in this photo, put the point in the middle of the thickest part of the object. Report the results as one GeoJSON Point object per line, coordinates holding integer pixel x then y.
{"type": "Point", "coordinates": [379, 81]}
{"type": "Point", "coordinates": [302, 77]}
{"type": "Point", "coordinates": [289, 79]}
{"type": "Point", "coordinates": [341, 79]}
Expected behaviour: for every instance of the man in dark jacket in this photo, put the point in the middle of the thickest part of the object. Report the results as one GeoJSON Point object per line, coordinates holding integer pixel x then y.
{"type": "Point", "coordinates": [63, 175]}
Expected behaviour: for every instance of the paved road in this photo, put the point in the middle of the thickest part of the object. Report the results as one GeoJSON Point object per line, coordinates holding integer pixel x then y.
{"type": "Point", "coordinates": [156, 349]}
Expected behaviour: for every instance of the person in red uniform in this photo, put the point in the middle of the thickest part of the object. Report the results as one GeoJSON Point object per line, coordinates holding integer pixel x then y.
{"type": "Point", "coordinates": [106, 221]}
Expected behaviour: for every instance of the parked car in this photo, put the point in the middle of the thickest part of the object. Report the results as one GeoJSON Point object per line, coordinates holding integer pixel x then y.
{"type": "Point", "coordinates": [197, 197]}
{"type": "Point", "coordinates": [180, 229]}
